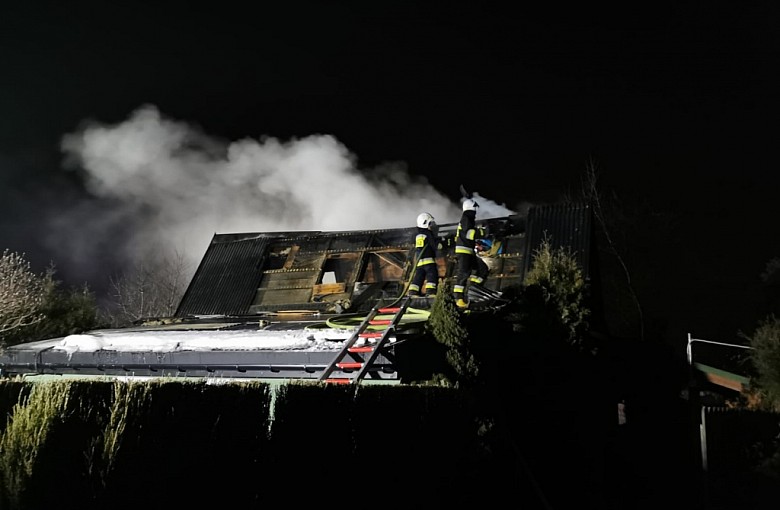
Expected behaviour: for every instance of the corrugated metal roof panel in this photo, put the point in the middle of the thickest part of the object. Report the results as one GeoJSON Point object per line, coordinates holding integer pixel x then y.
{"type": "Point", "coordinates": [226, 280]}
{"type": "Point", "coordinates": [566, 226]}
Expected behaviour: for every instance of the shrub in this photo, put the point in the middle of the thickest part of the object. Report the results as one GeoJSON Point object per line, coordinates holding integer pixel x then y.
{"type": "Point", "coordinates": [765, 358]}
{"type": "Point", "coordinates": [25, 436]}
{"type": "Point", "coordinates": [554, 295]}
{"type": "Point", "coordinates": [446, 325]}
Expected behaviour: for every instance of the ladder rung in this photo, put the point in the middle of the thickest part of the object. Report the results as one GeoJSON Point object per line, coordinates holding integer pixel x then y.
{"type": "Point", "coordinates": [349, 364]}
{"type": "Point", "coordinates": [361, 349]}
{"type": "Point", "coordinates": [380, 321]}
{"type": "Point", "coordinates": [371, 335]}
{"type": "Point", "coordinates": [389, 310]}
{"type": "Point", "coordinates": [339, 381]}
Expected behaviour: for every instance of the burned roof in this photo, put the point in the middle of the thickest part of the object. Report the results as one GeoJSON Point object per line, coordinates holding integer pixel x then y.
{"type": "Point", "coordinates": [251, 273]}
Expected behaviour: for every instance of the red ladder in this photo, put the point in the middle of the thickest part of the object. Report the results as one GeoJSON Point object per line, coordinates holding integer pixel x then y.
{"type": "Point", "coordinates": [363, 356]}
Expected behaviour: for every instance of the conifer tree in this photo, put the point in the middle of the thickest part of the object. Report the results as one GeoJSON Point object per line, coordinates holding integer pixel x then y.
{"type": "Point", "coordinates": [447, 327]}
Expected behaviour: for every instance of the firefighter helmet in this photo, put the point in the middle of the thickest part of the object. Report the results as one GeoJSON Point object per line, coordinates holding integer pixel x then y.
{"type": "Point", "coordinates": [470, 205]}
{"type": "Point", "coordinates": [424, 220]}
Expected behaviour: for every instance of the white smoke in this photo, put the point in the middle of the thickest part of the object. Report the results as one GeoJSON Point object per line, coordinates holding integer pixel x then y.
{"type": "Point", "coordinates": [160, 187]}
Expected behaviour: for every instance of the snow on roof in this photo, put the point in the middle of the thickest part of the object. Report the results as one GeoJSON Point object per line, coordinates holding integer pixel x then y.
{"type": "Point", "coordinates": [173, 341]}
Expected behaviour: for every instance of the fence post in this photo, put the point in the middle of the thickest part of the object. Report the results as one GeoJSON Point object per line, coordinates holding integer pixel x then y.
{"type": "Point", "coordinates": [698, 413]}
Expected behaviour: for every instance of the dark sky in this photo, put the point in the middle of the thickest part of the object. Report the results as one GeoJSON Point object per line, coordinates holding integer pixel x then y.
{"type": "Point", "coordinates": [675, 103]}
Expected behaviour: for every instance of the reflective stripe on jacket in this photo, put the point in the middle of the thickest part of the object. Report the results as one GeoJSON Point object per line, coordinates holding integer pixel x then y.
{"type": "Point", "coordinates": [425, 247]}
{"type": "Point", "coordinates": [466, 233]}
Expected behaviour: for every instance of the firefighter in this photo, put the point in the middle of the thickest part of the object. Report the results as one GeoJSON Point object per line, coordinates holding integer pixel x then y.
{"type": "Point", "coordinates": [425, 270]}
{"type": "Point", "coordinates": [467, 261]}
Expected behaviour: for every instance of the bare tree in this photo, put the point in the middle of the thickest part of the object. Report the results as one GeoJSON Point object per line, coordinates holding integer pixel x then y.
{"type": "Point", "coordinates": [148, 290]}
{"type": "Point", "coordinates": [22, 293]}
{"type": "Point", "coordinates": [590, 189]}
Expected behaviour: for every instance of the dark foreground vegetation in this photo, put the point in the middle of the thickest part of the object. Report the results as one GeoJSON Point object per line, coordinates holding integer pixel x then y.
{"type": "Point", "coordinates": [515, 406]}
{"type": "Point", "coordinates": [93, 444]}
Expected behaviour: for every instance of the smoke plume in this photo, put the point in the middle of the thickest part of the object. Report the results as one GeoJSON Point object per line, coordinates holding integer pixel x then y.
{"type": "Point", "coordinates": [158, 187]}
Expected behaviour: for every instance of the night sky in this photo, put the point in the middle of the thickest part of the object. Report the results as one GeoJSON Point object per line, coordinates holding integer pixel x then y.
{"type": "Point", "coordinates": [675, 104]}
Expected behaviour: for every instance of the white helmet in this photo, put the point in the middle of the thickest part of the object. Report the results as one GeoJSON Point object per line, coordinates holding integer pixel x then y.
{"type": "Point", "coordinates": [470, 205]}
{"type": "Point", "coordinates": [424, 220]}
